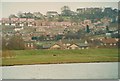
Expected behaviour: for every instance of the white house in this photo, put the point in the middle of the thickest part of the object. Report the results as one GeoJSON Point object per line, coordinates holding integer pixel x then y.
{"type": "Point", "coordinates": [13, 24]}
{"type": "Point", "coordinates": [7, 24]}
{"type": "Point", "coordinates": [18, 28]}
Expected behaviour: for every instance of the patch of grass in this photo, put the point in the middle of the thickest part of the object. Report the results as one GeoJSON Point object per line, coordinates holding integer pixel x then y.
{"type": "Point", "coordinates": [61, 56]}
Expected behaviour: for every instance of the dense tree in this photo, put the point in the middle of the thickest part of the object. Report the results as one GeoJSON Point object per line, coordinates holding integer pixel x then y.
{"type": "Point", "coordinates": [20, 14]}
{"type": "Point", "coordinates": [38, 15]}
{"type": "Point", "coordinates": [87, 29]}
{"type": "Point", "coordinates": [72, 35]}
{"type": "Point", "coordinates": [75, 19]}
{"type": "Point", "coordinates": [4, 44]}
{"type": "Point", "coordinates": [58, 37]}
{"type": "Point", "coordinates": [65, 11]}
{"type": "Point", "coordinates": [107, 29]}
{"type": "Point", "coordinates": [60, 19]}
{"type": "Point", "coordinates": [12, 16]}
{"type": "Point", "coordinates": [15, 43]}
{"type": "Point", "coordinates": [29, 15]}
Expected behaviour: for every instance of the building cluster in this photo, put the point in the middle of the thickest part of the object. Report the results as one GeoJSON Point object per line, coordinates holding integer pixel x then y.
{"type": "Point", "coordinates": [17, 22]}
{"type": "Point", "coordinates": [92, 43]}
{"type": "Point", "coordinates": [31, 22]}
{"type": "Point", "coordinates": [58, 45]}
{"type": "Point", "coordinates": [89, 10]}
{"type": "Point", "coordinates": [35, 28]}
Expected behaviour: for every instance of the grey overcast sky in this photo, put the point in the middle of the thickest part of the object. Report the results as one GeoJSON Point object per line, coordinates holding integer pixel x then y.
{"type": "Point", "coordinates": [14, 7]}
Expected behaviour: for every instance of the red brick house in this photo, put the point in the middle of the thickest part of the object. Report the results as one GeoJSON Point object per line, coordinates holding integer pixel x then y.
{"type": "Point", "coordinates": [109, 42]}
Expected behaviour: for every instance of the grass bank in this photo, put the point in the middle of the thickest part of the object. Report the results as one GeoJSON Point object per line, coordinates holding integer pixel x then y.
{"type": "Point", "coordinates": [25, 57]}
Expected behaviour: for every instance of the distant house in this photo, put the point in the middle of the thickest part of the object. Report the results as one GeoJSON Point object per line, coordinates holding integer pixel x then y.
{"type": "Point", "coordinates": [17, 21]}
{"type": "Point", "coordinates": [46, 46]}
{"type": "Point", "coordinates": [30, 22]}
{"type": "Point", "coordinates": [83, 46]}
{"type": "Point", "coordinates": [51, 14]}
{"type": "Point", "coordinates": [80, 10]}
{"type": "Point", "coordinates": [22, 21]}
{"type": "Point", "coordinates": [78, 46]}
{"type": "Point", "coordinates": [60, 23]}
{"type": "Point", "coordinates": [56, 46]}
{"type": "Point", "coordinates": [105, 20]}
{"type": "Point", "coordinates": [109, 42]}
{"type": "Point", "coordinates": [87, 22]}
{"type": "Point", "coordinates": [41, 23]}
{"type": "Point", "coordinates": [29, 45]}
{"type": "Point", "coordinates": [18, 28]}
{"type": "Point", "coordinates": [14, 21]}
{"type": "Point", "coordinates": [73, 46]}
{"type": "Point", "coordinates": [5, 21]}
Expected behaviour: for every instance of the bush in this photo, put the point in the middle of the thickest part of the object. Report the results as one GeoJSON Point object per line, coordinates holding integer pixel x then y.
{"type": "Point", "coordinates": [8, 54]}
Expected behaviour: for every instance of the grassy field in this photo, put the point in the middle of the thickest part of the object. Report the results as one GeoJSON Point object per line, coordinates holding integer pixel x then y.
{"type": "Point", "coordinates": [24, 57]}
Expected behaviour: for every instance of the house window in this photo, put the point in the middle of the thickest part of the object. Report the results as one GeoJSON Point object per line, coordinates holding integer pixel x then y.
{"type": "Point", "coordinates": [82, 47]}
{"type": "Point", "coordinates": [111, 44]}
{"type": "Point", "coordinates": [21, 24]}
{"type": "Point", "coordinates": [28, 44]}
{"type": "Point", "coordinates": [31, 44]}
{"type": "Point", "coordinates": [101, 43]}
{"type": "Point", "coordinates": [13, 24]}
{"type": "Point", "coordinates": [6, 24]}
{"type": "Point", "coordinates": [115, 44]}
{"type": "Point", "coordinates": [105, 44]}
{"type": "Point", "coordinates": [29, 24]}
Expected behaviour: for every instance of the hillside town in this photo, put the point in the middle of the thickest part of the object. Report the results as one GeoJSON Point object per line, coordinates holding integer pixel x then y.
{"type": "Point", "coordinates": [81, 29]}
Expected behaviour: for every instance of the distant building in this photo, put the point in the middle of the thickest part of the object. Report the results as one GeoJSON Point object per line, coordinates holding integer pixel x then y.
{"type": "Point", "coordinates": [51, 14]}
{"type": "Point", "coordinates": [5, 21]}
{"type": "Point", "coordinates": [87, 22]}
{"type": "Point", "coordinates": [29, 45]}
{"type": "Point", "coordinates": [88, 10]}
{"type": "Point", "coordinates": [80, 10]}
{"type": "Point", "coordinates": [30, 22]}
{"type": "Point", "coordinates": [67, 24]}
{"type": "Point", "coordinates": [97, 10]}
{"type": "Point", "coordinates": [18, 28]}
{"type": "Point", "coordinates": [109, 42]}
{"type": "Point", "coordinates": [56, 46]}
{"type": "Point", "coordinates": [83, 46]}
{"type": "Point", "coordinates": [108, 10]}
{"type": "Point", "coordinates": [73, 46]}
{"type": "Point", "coordinates": [17, 22]}
{"type": "Point", "coordinates": [14, 21]}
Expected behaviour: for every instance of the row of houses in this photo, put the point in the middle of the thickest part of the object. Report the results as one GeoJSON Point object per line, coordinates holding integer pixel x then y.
{"type": "Point", "coordinates": [109, 42]}
{"type": "Point", "coordinates": [31, 22]}
{"type": "Point", "coordinates": [57, 45]}
{"type": "Point", "coordinates": [104, 42]}
{"type": "Point", "coordinates": [88, 10]}
{"type": "Point", "coordinates": [17, 22]}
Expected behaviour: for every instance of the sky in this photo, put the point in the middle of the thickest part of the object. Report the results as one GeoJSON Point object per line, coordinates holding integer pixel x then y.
{"type": "Point", "coordinates": [15, 7]}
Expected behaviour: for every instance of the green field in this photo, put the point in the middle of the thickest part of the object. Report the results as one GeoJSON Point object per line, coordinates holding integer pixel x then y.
{"type": "Point", "coordinates": [25, 57]}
